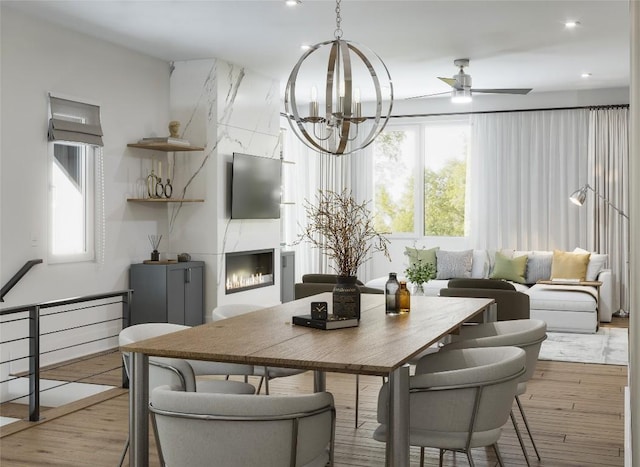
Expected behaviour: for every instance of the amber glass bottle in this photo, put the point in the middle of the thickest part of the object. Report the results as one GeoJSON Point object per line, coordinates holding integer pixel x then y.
{"type": "Point", "coordinates": [404, 298]}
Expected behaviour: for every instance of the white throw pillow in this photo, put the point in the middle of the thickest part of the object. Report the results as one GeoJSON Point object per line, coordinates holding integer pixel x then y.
{"type": "Point", "coordinates": [596, 264]}
{"type": "Point", "coordinates": [480, 265]}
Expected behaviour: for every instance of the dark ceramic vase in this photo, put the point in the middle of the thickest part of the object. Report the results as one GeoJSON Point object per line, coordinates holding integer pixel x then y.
{"type": "Point", "coordinates": [346, 298]}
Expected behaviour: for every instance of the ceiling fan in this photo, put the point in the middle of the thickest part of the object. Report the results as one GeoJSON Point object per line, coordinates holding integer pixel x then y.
{"type": "Point", "coordinates": [461, 84]}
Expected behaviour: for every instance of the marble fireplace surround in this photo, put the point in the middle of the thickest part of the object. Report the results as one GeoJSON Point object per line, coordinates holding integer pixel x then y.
{"type": "Point", "coordinates": [224, 108]}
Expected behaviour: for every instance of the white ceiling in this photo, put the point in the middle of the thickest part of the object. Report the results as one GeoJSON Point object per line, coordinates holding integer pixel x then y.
{"type": "Point", "coordinates": [511, 43]}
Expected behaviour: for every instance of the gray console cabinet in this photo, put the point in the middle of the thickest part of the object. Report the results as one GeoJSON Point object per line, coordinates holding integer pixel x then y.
{"type": "Point", "coordinates": [168, 293]}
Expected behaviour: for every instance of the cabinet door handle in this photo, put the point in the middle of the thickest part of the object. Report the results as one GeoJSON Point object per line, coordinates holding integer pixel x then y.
{"type": "Point", "coordinates": [187, 275]}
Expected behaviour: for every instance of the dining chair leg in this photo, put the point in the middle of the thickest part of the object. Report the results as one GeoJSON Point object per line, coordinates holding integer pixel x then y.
{"type": "Point", "coordinates": [260, 385]}
{"type": "Point", "coordinates": [495, 448]}
{"type": "Point", "coordinates": [124, 451]}
{"type": "Point", "coordinates": [441, 458]}
{"type": "Point", "coordinates": [266, 380]}
{"type": "Point", "coordinates": [469, 458]}
{"type": "Point", "coordinates": [357, 399]}
{"type": "Point", "coordinates": [526, 424]}
{"type": "Point", "coordinates": [421, 456]}
{"type": "Point", "coordinates": [520, 440]}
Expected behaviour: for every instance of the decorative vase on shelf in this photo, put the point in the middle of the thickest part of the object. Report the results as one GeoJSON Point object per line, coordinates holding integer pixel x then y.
{"type": "Point", "coordinates": [346, 298]}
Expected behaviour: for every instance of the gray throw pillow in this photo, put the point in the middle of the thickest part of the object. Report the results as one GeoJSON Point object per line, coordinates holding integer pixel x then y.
{"type": "Point", "coordinates": [538, 268]}
{"type": "Point", "coordinates": [454, 264]}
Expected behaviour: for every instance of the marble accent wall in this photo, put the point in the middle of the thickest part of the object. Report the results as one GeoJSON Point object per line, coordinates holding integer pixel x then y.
{"type": "Point", "coordinates": [226, 109]}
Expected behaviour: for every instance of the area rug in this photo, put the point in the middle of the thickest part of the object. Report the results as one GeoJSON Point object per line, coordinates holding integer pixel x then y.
{"type": "Point", "coordinates": [609, 346]}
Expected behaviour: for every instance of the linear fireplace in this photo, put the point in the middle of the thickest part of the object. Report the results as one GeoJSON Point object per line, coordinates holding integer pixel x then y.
{"type": "Point", "coordinates": [247, 270]}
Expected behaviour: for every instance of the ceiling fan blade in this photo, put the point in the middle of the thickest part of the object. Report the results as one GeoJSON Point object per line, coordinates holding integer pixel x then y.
{"type": "Point", "coordinates": [428, 95]}
{"type": "Point", "coordinates": [450, 81]}
{"type": "Point", "coordinates": [503, 91]}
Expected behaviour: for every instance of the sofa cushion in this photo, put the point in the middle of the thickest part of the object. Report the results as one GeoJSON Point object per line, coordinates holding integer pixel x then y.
{"type": "Point", "coordinates": [454, 264]}
{"type": "Point", "coordinates": [562, 298]}
{"type": "Point", "coordinates": [596, 264]}
{"type": "Point", "coordinates": [566, 265]}
{"type": "Point", "coordinates": [511, 269]}
{"type": "Point", "coordinates": [480, 265]}
{"type": "Point", "coordinates": [422, 255]}
{"type": "Point", "coordinates": [538, 267]}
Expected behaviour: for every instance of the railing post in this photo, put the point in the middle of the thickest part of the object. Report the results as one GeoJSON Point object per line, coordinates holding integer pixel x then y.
{"type": "Point", "coordinates": [34, 363]}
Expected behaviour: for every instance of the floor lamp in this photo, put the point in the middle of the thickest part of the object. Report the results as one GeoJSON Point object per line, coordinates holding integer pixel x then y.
{"type": "Point", "coordinates": [578, 197]}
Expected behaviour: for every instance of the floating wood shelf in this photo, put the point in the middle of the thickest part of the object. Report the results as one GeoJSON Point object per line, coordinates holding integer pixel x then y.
{"type": "Point", "coordinates": [166, 147]}
{"type": "Point", "coordinates": [165, 200]}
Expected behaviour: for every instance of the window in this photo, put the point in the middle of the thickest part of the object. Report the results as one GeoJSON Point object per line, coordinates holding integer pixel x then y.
{"type": "Point", "coordinates": [435, 206]}
{"type": "Point", "coordinates": [75, 133]}
{"type": "Point", "coordinates": [395, 152]}
{"type": "Point", "coordinates": [71, 202]}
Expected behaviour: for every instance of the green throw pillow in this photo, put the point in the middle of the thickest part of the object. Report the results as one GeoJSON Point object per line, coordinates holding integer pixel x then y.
{"type": "Point", "coordinates": [511, 269]}
{"type": "Point", "coordinates": [422, 256]}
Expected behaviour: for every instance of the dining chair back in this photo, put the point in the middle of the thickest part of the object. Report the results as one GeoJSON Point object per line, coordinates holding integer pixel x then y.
{"type": "Point", "coordinates": [459, 400]}
{"type": "Point", "coordinates": [528, 334]}
{"type": "Point", "coordinates": [229, 430]}
{"type": "Point", "coordinates": [173, 371]}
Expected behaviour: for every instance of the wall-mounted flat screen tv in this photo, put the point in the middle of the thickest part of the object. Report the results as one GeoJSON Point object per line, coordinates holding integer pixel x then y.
{"type": "Point", "coordinates": [255, 187]}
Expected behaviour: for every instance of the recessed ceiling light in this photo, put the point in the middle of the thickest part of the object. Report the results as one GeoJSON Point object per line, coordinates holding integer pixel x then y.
{"type": "Point", "coordinates": [293, 2]}
{"type": "Point", "coordinates": [305, 46]}
{"type": "Point", "coordinates": [586, 75]}
{"type": "Point", "coordinates": [571, 24]}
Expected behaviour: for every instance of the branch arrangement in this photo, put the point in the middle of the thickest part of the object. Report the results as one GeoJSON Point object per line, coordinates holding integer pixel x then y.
{"type": "Point", "coordinates": [343, 230]}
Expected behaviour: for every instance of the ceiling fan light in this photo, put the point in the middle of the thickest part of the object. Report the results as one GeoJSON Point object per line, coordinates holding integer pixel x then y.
{"type": "Point", "coordinates": [461, 96]}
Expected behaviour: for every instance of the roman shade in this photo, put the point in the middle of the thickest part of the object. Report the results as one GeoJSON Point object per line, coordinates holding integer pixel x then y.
{"type": "Point", "coordinates": [74, 121]}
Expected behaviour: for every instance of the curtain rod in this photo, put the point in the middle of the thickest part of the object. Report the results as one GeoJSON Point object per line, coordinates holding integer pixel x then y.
{"type": "Point", "coordinates": [589, 107]}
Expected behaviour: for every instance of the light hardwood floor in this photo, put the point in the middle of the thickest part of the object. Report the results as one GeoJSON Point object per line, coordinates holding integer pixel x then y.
{"type": "Point", "coordinates": [574, 409]}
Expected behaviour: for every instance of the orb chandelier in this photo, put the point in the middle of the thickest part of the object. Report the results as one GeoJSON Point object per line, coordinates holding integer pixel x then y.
{"type": "Point", "coordinates": [334, 122]}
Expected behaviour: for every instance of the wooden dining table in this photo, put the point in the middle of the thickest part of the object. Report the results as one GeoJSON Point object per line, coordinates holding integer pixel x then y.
{"type": "Point", "coordinates": [382, 345]}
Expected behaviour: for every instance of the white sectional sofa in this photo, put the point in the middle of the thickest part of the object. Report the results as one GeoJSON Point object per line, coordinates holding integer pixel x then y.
{"type": "Point", "coordinates": [564, 307]}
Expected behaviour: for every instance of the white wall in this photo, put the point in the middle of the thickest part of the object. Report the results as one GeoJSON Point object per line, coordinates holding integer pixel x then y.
{"type": "Point", "coordinates": [133, 93]}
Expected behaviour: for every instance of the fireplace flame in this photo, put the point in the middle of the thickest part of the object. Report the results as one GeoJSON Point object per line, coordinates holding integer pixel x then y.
{"type": "Point", "coordinates": [239, 282]}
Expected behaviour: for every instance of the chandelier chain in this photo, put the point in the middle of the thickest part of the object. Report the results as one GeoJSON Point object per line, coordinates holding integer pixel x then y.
{"type": "Point", "coordinates": [338, 31]}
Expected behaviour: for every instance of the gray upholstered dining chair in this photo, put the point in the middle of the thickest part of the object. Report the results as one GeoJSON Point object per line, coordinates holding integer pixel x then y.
{"type": "Point", "coordinates": [528, 334]}
{"type": "Point", "coordinates": [177, 372]}
{"type": "Point", "coordinates": [227, 430]}
{"type": "Point", "coordinates": [458, 399]}
{"type": "Point", "coordinates": [265, 373]}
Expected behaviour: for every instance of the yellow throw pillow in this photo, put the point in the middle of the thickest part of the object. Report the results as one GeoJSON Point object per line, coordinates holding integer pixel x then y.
{"type": "Point", "coordinates": [566, 265]}
{"type": "Point", "coordinates": [511, 269]}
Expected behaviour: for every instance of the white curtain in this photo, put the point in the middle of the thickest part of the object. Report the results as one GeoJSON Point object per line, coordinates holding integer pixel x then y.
{"type": "Point", "coordinates": [313, 171]}
{"type": "Point", "coordinates": [609, 164]}
{"type": "Point", "coordinates": [524, 166]}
